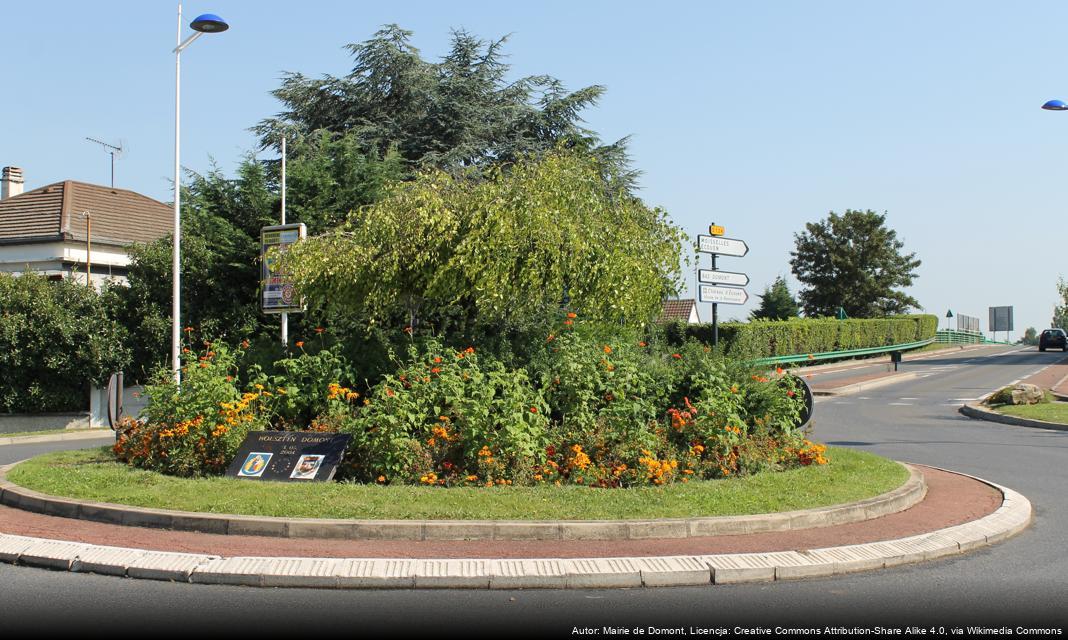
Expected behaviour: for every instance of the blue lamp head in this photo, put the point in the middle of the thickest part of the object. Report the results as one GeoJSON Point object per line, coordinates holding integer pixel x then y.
{"type": "Point", "coordinates": [1055, 105]}
{"type": "Point", "coordinates": [209, 23]}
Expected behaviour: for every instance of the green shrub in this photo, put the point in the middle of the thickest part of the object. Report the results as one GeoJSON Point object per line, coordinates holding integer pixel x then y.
{"type": "Point", "coordinates": [55, 338]}
{"type": "Point", "coordinates": [594, 405]}
{"type": "Point", "coordinates": [799, 336]}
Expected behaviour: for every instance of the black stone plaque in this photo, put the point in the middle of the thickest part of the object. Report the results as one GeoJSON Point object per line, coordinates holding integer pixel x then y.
{"type": "Point", "coordinates": [289, 456]}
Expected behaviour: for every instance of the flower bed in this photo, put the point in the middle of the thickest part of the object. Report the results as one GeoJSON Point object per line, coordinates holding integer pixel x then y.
{"type": "Point", "coordinates": [591, 407]}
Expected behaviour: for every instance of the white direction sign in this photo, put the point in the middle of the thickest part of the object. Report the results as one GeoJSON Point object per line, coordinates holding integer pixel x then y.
{"type": "Point", "coordinates": [723, 295]}
{"type": "Point", "coordinates": [722, 246]}
{"type": "Point", "coordinates": [728, 278]}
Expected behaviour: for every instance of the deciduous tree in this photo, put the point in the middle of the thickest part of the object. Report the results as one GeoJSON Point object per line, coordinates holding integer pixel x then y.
{"type": "Point", "coordinates": [853, 261]}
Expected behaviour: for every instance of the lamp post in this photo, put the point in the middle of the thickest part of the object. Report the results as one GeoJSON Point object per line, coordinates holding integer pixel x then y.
{"type": "Point", "coordinates": [205, 23]}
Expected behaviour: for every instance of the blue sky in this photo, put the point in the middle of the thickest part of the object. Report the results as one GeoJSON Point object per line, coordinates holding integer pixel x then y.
{"type": "Point", "coordinates": [760, 116]}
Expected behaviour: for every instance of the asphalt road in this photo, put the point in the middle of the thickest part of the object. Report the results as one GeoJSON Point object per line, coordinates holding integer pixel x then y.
{"type": "Point", "coordinates": [1021, 583]}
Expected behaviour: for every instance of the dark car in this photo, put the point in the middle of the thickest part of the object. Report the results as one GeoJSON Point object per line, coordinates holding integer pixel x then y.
{"type": "Point", "coordinates": [1053, 338]}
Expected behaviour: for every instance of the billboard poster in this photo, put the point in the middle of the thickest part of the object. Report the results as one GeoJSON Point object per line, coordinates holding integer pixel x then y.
{"type": "Point", "coordinates": [276, 290]}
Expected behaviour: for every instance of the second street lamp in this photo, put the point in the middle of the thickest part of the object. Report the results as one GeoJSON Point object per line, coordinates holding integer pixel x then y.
{"type": "Point", "coordinates": [205, 23]}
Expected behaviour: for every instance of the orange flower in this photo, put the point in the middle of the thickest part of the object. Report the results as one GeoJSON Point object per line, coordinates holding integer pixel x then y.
{"type": "Point", "coordinates": [676, 356]}
{"type": "Point", "coordinates": [550, 338]}
{"type": "Point", "coordinates": [571, 315]}
{"type": "Point", "coordinates": [607, 349]}
{"type": "Point", "coordinates": [300, 344]}
{"type": "Point", "coordinates": [790, 394]}
{"type": "Point", "coordinates": [389, 392]}
{"type": "Point", "coordinates": [778, 370]}
{"type": "Point", "coordinates": [408, 330]}
{"type": "Point", "coordinates": [436, 370]}
{"type": "Point", "coordinates": [244, 344]}
{"type": "Point", "coordinates": [437, 359]}
{"type": "Point", "coordinates": [188, 329]}
{"type": "Point", "coordinates": [319, 330]}
{"type": "Point", "coordinates": [533, 409]}
{"type": "Point", "coordinates": [642, 344]}
{"type": "Point", "coordinates": [568, 322]}
{"type": "Point", "coordinates": [381, 479]}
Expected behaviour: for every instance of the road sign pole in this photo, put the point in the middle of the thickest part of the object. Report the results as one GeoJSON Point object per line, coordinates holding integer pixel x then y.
{"type": "Point", "coordinates": [715, 313]}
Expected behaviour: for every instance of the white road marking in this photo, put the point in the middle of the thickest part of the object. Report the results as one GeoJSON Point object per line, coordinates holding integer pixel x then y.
{"type": "Point", "coordinates": [900, 404]}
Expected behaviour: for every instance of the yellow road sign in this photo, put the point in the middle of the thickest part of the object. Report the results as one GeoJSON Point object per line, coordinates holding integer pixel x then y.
{"type": "Point", "coordinates": [716, 230]}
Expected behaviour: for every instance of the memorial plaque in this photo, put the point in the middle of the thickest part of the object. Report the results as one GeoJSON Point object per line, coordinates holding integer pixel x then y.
{"type": "Point", "coordinates": [289, 456]}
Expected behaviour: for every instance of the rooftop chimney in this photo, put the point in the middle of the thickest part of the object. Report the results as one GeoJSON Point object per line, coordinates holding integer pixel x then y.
{"type": "Point", "coordinates": [10, 182]}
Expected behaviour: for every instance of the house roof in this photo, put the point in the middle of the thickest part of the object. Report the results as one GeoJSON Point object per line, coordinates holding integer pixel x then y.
{"type": "Point", "coordinates": [675, 310]}
{"type": "Point", "coordinates": [54, 212]}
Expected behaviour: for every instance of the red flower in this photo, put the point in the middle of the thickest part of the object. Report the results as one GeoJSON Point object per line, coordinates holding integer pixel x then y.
{"type": "Point", "coordinates": [319, 330]}
{"type": "Point", "coordinates": [676, 356]}
{"type": "Point", "coordinates": [790, 394]}
{"type": "Point", "coordinates": [300, 344]}
{"type": "Point", "coordinates": [533, 409]}
{"type": "Point", "coordinates": [436, 370]}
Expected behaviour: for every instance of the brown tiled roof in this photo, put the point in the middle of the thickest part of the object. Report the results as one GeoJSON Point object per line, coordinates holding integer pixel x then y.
{"type": "Point", "coordinates": [54, 211]}
{"type": "Point", "coordinates": [675, 310]}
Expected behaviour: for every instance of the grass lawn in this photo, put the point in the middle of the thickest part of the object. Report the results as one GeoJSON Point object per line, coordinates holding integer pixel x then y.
{"type": "Point", "coordinates": [93, 475]}
{"type": "Point", "coordinates": [1048, 411]}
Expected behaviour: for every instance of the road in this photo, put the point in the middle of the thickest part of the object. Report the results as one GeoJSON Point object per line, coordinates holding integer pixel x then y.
{"type": "Point", "coordinates": [1020, 583]}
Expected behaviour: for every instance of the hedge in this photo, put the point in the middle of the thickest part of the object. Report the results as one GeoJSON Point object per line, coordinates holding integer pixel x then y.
{"type": "Point", "coordinates": [55, 338]}
{"type": "Point", "coordinates": [767, 338]}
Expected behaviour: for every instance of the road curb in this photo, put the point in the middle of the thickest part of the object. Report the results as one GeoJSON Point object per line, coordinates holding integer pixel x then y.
{"type": "Point", "coordinates": [907, 495]}
{"type": "Point", "coordinates": [1012, 517]}
{"type": "Point", "coordinates": [57, 437]}
{"type": "Point", "coordinates": [867, 384]}
{"type": "Point", "coordinates": [982, 413]}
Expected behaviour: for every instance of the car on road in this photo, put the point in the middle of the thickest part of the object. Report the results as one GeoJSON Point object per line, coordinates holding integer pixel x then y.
{"type": "Point", "coordinates": [1053, 338]}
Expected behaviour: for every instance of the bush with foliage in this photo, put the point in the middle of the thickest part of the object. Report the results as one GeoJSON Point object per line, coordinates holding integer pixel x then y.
{"type": "Point", "coordinates": [798, 336]}
{"type": "Point", "coordinates": [55, 338]}
{"type": "Point", "coordinates": [595, 405]}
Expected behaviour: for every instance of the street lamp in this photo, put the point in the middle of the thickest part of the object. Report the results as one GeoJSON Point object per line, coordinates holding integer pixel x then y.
{"type": "Point", "coordinates": [206, 23]}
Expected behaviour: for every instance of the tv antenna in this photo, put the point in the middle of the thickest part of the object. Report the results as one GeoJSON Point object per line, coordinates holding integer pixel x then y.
{"type": "Point", "coordinates": [111, 149]}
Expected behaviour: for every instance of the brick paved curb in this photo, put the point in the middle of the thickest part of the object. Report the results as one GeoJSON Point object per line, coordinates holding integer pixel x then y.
{"type": "Point", "coordinates": [982, 413]}
{"type": "Point", "coordinates": [1013, 516]}
{"type": "Point", "coordinates": [900, 499]}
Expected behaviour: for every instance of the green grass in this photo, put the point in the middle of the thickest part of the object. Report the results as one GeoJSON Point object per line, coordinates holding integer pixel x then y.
{"type": "Point", "coordinates": [93, 475]}
{"type": "Point", "coordinates": [50, 432]}
{"type": "Point", "coordinates": [1048, 411]}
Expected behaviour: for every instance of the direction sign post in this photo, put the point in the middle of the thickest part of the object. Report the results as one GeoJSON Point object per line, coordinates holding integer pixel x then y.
{"type": "Point", "coordinates": [729, 278]}
{"type": "Point", "coordinates": [716, 245]}
{"type": "Point", "coordinates": [723, 295]}
{"type": "Point", "coordinates": [722, 246]}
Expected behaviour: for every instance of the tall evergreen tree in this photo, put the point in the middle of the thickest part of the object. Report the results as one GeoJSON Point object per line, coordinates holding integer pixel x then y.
{"type": "Point", "coordinates": [776, 303]}
{"type": "Point", "coordinates": [855, 262]}
{"type": "Point", "coordinates": [459, 113]}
